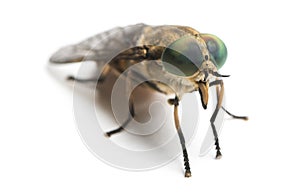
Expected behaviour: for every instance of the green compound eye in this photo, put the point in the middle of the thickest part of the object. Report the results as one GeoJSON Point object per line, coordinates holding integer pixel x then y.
{"type": "Point", "coordinates": [216, 48]}
{"type": "Point", "coordinates": [183, 57]}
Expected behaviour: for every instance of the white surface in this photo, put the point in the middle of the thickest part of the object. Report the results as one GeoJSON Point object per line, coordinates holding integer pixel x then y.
{"type": "Point", "coordinates": [41, 151]}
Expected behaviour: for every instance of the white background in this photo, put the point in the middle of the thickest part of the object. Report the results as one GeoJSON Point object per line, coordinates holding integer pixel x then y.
{"type": "Point", "coordinates": [41, 151]}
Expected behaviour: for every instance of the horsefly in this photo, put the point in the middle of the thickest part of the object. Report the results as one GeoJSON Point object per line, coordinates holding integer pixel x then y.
{"type": "Point", "coordinates": [180, 60]}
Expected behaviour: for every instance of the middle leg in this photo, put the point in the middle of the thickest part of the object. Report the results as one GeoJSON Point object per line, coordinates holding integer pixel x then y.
{"type": "Point", "coordinates": [128, 91]}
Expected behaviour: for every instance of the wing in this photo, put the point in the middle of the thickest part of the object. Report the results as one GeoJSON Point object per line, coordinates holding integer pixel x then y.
{"type": "Point", "coordinates": [101, 47]}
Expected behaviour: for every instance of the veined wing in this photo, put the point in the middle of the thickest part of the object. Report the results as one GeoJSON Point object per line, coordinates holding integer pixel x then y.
{"type": "Point", "coordinates": [101, 47]}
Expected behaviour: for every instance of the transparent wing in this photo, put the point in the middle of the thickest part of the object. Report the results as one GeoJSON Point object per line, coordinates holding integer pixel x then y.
{"type": "Point", "coordinates": [101, 47]}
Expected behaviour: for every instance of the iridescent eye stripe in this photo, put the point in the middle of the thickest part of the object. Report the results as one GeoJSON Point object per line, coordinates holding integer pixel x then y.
{"type": "Point", "coordinates": [203, 47]}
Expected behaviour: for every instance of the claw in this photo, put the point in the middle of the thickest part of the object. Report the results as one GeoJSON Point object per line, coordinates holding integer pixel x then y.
{"type": "Point", "coordinates": [219, 155]}
{"type": "Point", "coordinates": [187, 174]}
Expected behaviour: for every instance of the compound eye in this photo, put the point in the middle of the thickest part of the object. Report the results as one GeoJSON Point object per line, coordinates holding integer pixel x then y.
{"type": "Point", "coordinates": [183, 57]}
{"type": "Point", "coordinates": [216, 48]}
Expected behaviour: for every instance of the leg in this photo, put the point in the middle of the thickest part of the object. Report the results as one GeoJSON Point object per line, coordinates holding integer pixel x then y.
{"type": "Point", "coordinates": [234, 116]}
{"type": "Point", "coordinates": [72, 78]}
{"type": "Point", "coordinates": [106, 70]}
{"type": "Point", "coordinates": [218, 82]}
{"type": "Point", "coordinates": [175, 102]}
{"type": "Point", "coordinates": [121, 128]}
{"type": "Point", "coordinates": [220, 93]}
{"type": "Point", "coordinates": [128, 91]}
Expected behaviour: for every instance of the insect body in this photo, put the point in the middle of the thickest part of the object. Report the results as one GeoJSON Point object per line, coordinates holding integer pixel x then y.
{"type": "Point", "coordinates": [173, 59]}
